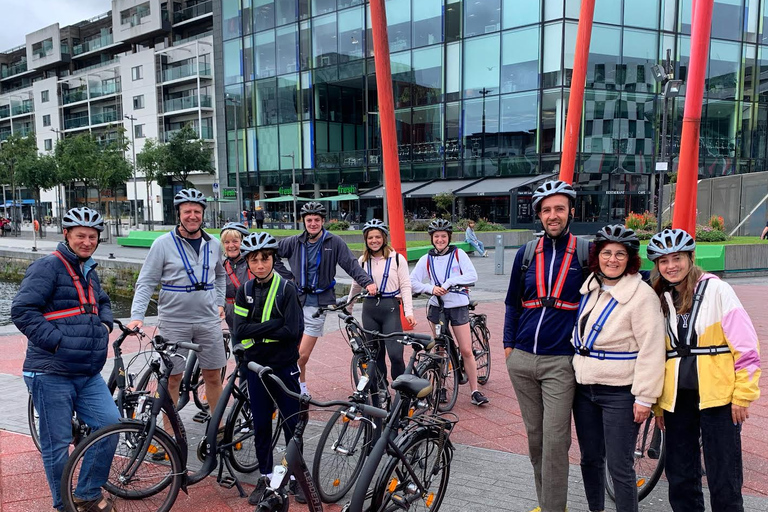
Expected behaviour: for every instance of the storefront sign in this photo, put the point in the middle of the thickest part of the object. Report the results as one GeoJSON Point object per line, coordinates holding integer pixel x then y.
{"type": "Point", "coordinates": [284, 191]}
{"type": "Point", "coordinates": [229, 192]}
{"type": "Point", "coordinates": [615, 192]}
{"type": "Point", "coordinates": [347, 189]}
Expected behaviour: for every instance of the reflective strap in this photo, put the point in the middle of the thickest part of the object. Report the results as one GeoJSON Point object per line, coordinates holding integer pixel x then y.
{"type": "Point", "coordinates": [88, 304]}
{"type": "Point", "coordinates": [187, 288]}
{"type": "Point", "coordinates": [564, 267]}
{"type": "Point", "coordinates": [239, 310]}
{"type": "Point", "coordinates": [698, 295]}
{"type": "Point", "coordinates": [230, 300]}
{"type": "Point", "coordinates": [62, 313]}
{"type": "Point", "coordinates": [231, 274]}
{"type": "Point", "coordinates": [698, 351]}
{"type": "Point", "coordinates": [384, 280]}
{"type": "Point", "coordinates": [318, 259]}
{"type": "Point", "coordinates": [247, 343]}
{"type": "Point", "coordinates": [270, 302]}
{"type": "Point", "coordinates": [585, 349]}
{"type": "Point", "coordinates": [184, 258]}
{"type": "Point", "coordinates": [555, 303]}
{"type": "Point", "coordinates": [552, 299]}
{"type": "Point", "coordinates": [615, 356]}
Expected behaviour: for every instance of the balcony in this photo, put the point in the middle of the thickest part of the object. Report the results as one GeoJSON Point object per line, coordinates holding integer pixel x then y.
{"type": "Point", "coordinates": [206, 133]}
{"type": "Point", "coordinates": [193, 12]}
{"type": "Point", "coordinates": [74, 95]}
{"type": "Point", "coordinates": [187, 102]}
{"type": "Point", "coordinates": [5, 134]}
{"type": "Point", "coordinates": [78, 121]}
{"type": "Point", "coordinates": [25, 108]}
{"type": "Point", "coordinates": [105, 89]}
{"type": "Point", "coordinates": [109, 116]}
{"type": "Point", "coordinates": [5, 111]}
{"type": "Point", "coordinates": [24, 131]}
{"type": "Point", "coordinates": [93, 44]}
{"type": "Point", "coordinates": [19, 67]}
{"type": "Point", "coordinates": [177, 72]}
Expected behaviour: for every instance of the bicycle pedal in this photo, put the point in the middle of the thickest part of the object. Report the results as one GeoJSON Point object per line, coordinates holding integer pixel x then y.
{"type": "Point", "coordinates": [227, 482]}
{"type": "Point", "coordinates": [201, 417]}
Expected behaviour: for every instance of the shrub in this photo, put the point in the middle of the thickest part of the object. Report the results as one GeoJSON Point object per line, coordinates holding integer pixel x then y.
{"type": "Point", "coordinates": [338, 225]}
{"type": "Point", "coordinates": [644, 235]}
{"type": "Point", "coordinates": [717, 223]}
{"type": "Point", "coordinates": [641, 221]}
{"type": "Point", "coordinates": [707, 234]}
{"type": "Point", "coordinates": [416, 225]}
{"type": "Point", "coordinates": [480, 225]}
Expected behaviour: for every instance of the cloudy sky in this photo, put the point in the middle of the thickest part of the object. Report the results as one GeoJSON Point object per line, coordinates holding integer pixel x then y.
{"type": "Point", "coordinates": [21, 17]}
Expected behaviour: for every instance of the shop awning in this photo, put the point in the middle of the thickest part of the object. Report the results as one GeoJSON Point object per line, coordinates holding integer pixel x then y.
{"type": "Point", "coordinates": [342, 197]}
{"type": "Point", "coordinates": [499, 186]}
{"type": "Point", "coordinates": [284, 199]}
{"type": "Point", "coordinates": [405, 187]}
{"type": "Point", "coordinates": [439, 186]}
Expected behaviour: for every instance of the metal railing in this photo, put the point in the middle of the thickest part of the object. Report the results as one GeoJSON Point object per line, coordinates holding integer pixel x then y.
{"type": "Point", "coordinates": [24, 108]}
{"type": "Point", "coordinates": [74, 95]}
{"type": "Point", "coordinates": [110, 116]}
{"type": "Point", "coordinates": [186, 70]}
{"type": "Point", "coordinates": [193, 12]}
{"type": "Point", "coordinates": [24, 131]}
{"type": "Point", "coordinates": [93, 44]}
{"type": "Point", "coordinates": [5, 111]}
{"type": "Point", "coordinates": [19, 67]}
{"type": "Point", "coordinates": [104, 89]}
{"type": "Point", "coordinates": [187, 102]}
{"type": "Point", "coordinates": [75, 122]}
{"type": "Point", "coordinates": [206, 133]}
{"type": "Point", "coordinates": [5, 134]}
{"type": "Point", "coordinates": [192, 38]}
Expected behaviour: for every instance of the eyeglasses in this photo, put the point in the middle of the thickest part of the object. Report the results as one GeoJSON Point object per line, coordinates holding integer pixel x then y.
{"type": "Point", "coordinates": [620, 256]}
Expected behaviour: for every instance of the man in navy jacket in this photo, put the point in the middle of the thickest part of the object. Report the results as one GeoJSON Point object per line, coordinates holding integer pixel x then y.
{"type": "Point", "coordinates": [538, 324]}
{"type": "Point", "coordinates": [67, 318]}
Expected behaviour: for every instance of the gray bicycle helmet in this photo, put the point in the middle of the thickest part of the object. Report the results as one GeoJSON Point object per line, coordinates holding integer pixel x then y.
{"type": "Point", "coordinates": [620, 235]}
{"type": "Point", "coordinates": [440, 225]}
{"type": "Point", "coordinates": [375, 224]}
{"type": "Point", "coordinates": [670, 241]}
{"type": "Point", "coordinates": [257, 242]}
{"type": "Point", "coordinates": [189, 195]}
{"type": "Point", "coordinates": [237, 226]}
{"type": "Point", "coordinates": [84, 217]}
{"type": "Point", "coordinates": [313, 208]}
{"type": "Point", "coordinates": [552, 188]}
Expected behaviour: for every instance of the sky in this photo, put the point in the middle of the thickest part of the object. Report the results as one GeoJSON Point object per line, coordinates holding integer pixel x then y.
{"type": "Point", "coordinates": [20, 17]}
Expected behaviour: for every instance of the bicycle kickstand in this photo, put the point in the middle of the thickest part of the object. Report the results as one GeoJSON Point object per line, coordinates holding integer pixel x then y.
{"type": "Point", "coordinates": [230, 480]}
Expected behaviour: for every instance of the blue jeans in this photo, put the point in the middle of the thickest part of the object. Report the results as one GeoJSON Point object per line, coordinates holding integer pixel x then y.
{"type": "Point", "coordinates": [55, 397]}
{"type": "Point", "coordinates": [478, 246]}
{"type": "Point", "coordinates": [606, 429]}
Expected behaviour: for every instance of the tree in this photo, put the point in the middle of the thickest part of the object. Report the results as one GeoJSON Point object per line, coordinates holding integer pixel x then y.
{"type": "Point", "coordinates": [78, 158]}
{"type": "Point", "coordinates": [15, 153]}
{"type": "Point", "coordinates": [444, 203]}
{"type": "Point", "coordinates": [186, 153]}
{"type": "Point", "coordinates": [150, 161]}
{"type": "Point", "coordinates": [38, 172]}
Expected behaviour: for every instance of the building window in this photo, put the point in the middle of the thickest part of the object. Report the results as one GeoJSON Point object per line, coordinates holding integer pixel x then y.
{"type": "Point", "coordinates": [47, 120]}
{"type": "Point", "coordinates": [138, 102]}
{"type": "Point", "coordinates": [44, 96]}
{"type": "Point", "coordinates": [137, 72]}
{"type": "Point", "coordinates": [134, 15]}
{"type": "Point", "coordinates": [138, 131]}
{"type": "Point", "coordinates": [48, 144]}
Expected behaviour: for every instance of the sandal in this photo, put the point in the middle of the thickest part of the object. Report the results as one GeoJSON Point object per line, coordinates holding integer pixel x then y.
{"type": "Point", "coordinates": [100, 504]}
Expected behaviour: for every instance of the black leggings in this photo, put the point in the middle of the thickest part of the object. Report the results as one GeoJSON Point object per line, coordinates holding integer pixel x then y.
{"type": "Point", "coordinates": [383, 315]}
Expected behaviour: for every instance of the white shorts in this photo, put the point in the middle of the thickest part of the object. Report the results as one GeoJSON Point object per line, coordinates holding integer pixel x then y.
{"type": "Point", "coordinates": [313, 326]}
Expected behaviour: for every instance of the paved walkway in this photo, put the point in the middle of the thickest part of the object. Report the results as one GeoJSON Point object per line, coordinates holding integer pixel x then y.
{"type": "Point", "coordinates": [490, 472]}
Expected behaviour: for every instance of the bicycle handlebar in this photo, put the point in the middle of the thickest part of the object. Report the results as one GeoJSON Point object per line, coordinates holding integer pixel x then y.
{"type": "Point", "coordinates": [341, 304]}
{"type": "Point", "coordinates": [408, 338]}
{"type": "Point", "coordinates": [266, 371]}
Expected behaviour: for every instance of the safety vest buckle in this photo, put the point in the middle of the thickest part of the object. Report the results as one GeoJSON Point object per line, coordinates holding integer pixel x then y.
{"type": "Point", "coordinates": [600, 355]}
{"type": "Point", "coordinates": [584, 351]}
{"type": "Point", "coordinates": [548, 302]}
{"type": "Point", "coordinates": [684, 351]}
{"type": "Point", "coordinates": [597, 327]}
{"type": "Point", "coordinates": [713, 350]}
{"type": "Point", "coordinates": [88, 309]}
{"type": "Point", "coordinates": [199, 287]}
{"type": "Point", "coordinates": [190, 271]}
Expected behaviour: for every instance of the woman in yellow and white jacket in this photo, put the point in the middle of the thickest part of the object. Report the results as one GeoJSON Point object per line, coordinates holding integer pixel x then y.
{"type": "Point", "coordinates": [711, 376]}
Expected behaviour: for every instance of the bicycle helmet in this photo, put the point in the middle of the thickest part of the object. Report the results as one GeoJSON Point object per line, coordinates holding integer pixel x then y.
{"type": "Point", "coordinates": [313, 208]}
{"type": "Point", "coordinates": [620, 235]}
{"type": "Point", "coordinates": [670, 241]}
{"type": "Point", "coordinates": [237, 226]}
{"type": "Point", "coordinates": [440, 225]}
{"type": "Point", "coordinates": [257, 242]}
{"type": "Point", "coordinates": [84, 217]}
{"type": "Point", "coordinates": [552, 188]}
{"type": "Point", "coordinates": [189, 195]}
{"type": "Point", "coordinates": [375, 224]}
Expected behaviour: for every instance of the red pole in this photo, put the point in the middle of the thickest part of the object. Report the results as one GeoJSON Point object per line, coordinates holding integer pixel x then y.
{"type": "Point", "coordinates": [688, 171]}
{"type": "Point", "coordinates": [389, 152]}
{"type": "Point", "coordinates": [576, 100]}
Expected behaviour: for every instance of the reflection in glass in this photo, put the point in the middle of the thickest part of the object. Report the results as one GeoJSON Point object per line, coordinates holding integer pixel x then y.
{"type": "Point", "coordinates": [728, 16]}
{"type": "Point", "coordinates": [520, 60]}
{"type": "Point", "coordinates": [719, 128]}
{"type": "Point", "coordinates": [518, 14]}
{"type": "Point", "coordinates": [399, 24]}
{"type": "Point", "coordinates": [324, 49]}
{"type": "Point", "coordinates": [323, 6]}
{"type": "Point", "coordinates": [553, 109]}
{"type": "Point", "coordinates": [351, 42]}
{"type": "Point", "coordinates": [452, 20]}
{"type": "Point", "coordinates": [285, 12]}
{"type": "Point", "coordinates": [604, 71]}
{"type": "Point", "coordinates": [724, 62]}
{"type": "Point", "coordinates": [552, 55]}
{"type": "Point", "coordinates": [288, 98]}
{"type": "Point", "coordinates": [641, 13]}
{"type": "Point", "coordinates": [481, 65]}
{"type": "Point", "coordinates": [266, 101]}
{"type": "Point", "coordinates": [268, 148]}
{"type": "Point", "coordinates": [290, 142]}
{"type": "Point", "coordinates": [263, 15]}
{"type": "Point", "coordinates": [427, 76]}
{"type": "Point", "coordinates": [264, 44]}
{"type": "Point", "coordinates": [402, 77]}
{"type": "Point", "coordinates": [481, 17]}
{"type": "Point", "coordinates": [481, 136]}
{"type": "Point", "coordinates": [639, 54]}
{"type": "Point", "coordinates": [233, 69]}
{"type": "Point", "coordinates": [230, 19]}
{"type": "Point", "coordinates": [517, 146]}
{"type": "Point", "coordinates": [286, 49]}
{"type": "Point", "coordinates": [427, 22]}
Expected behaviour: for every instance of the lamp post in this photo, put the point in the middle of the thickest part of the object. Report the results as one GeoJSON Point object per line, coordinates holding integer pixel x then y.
{"type": "Point", "coordinates": [135, 189]}
{"type": "Point", "coordinates": [236, 105]}
{"type": "Point", "coordinates": [58, 187]}
{"type": "Point", "coordinates": [292, 156]}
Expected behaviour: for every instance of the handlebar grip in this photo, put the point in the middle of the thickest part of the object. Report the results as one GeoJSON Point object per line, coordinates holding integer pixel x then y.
{"type": "Point", "coordinates": [317, 313]}
{"type": "Point", "coordinates": [346, 317]}
{"type": "Point", "coordinates": [419, 336]}
{"type": "Point", "coordinates": [258, 369]}
{"type": "Point", "coordinates": [372, 411]}
{"type": "Point", "coordinates": [189, 345]}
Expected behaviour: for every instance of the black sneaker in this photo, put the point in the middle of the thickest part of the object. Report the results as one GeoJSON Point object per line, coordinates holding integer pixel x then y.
{"type": "Point", "coordinates": [298, 493]}
{"type": "Point", "coordinates": [443, 396]}
{"type": "Point", "coordinates": [258, 493]}
{"type": "Point", "coordinates": [478, 398]}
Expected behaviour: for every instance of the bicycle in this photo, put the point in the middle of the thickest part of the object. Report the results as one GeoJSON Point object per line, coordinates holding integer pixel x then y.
{"type": "Point", "coordinates": [135, 474]}
{"type": "Point", "coordinates": [481, 343]}
{"type": "Point", "coordinates": [419, 457]}
{"type": "Point", "coordinates": [120, 385]}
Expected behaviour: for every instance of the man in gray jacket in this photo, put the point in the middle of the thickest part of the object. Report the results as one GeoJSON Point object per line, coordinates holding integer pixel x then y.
{"type": "Point", "coordinates": [313, 256]}
{"type": "Point", "coordinates": [187, 264]}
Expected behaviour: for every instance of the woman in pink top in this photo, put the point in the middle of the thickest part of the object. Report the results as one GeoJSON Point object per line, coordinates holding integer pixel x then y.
{"type": "Point", "coordinates": [381, 312]}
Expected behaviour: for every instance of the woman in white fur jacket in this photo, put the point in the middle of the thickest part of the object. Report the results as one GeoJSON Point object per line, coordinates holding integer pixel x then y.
{"type": "Point", "coordinates": [619, 365]}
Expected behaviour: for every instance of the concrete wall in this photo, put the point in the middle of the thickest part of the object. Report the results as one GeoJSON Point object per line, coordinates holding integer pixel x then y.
{"type": "Point", "coordinates": [51, 32]}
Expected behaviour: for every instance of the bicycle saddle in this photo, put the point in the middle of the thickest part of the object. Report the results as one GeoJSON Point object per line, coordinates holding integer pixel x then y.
{"type": "Point", "coordinates": [412, 385]}
{"type": "Point", "coordinates": [472, 305]}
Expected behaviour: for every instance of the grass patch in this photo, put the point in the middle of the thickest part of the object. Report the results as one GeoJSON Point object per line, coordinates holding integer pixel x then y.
{"type": "Point", "coordinates": [413, 243]}
{"type": "Point", "coordinates": [736, 240]}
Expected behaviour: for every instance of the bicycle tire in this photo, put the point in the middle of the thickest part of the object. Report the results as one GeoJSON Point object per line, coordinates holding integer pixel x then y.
{"type": "Point", "coordinates": [648, 467]}
{"type": "Point", "coordinates": [197, 384]}
{"type": "Point", "coordinates": [33, 420]}
{"type": "Point", "coordinates": [450, 382]}
{"type": "Point", "coordinates": [165, 476]}
{"type": "Point", "coordinates": [336, 472]}
{"type": "Point", "coordinates": [430, 371]}
{"type": "Point", "coordinates": [239, 430]}
{"type": "Point", "coordinates": [481, 351]}
{"type": "Point", "coordinates": [423, 453]}
{"type": "Point", "coordinates": [277, 428]}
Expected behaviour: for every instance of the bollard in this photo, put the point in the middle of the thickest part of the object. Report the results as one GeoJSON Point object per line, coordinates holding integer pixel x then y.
{"type": "Point", "coordinates": [499, 256]}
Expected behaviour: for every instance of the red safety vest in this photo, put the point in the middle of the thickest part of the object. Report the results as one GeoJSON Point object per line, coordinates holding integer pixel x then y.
{"type": "Point", "coordinates": [88, 304]}
{"type": "Point", "coordinates": [234, 279]}
{"type": "Point", "coordinates": [552, 299]}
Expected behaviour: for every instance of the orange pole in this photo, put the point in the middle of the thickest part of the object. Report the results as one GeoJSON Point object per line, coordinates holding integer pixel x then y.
{"type": "Point", "coordinates": [576, 100]}
{"type": "Point", "coordinates": [688, 171]}
{"type": "Point", "coordinates": [389, 151]}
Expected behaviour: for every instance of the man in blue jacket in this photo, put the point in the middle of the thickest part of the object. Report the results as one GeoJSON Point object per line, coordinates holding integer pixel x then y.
{"type": "Point", "coordinates": [67, 318]}
{"type": "Point", "coordinates": [538, 323]}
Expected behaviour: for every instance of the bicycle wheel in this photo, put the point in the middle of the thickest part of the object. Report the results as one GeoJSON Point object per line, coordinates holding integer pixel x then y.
{"type": "Point", "coordinates": [153, 486]}
{"type": "Point", "coordinates": [198, 388]}
{"type": "Point", "coordinates": [432, 465]}
{"type": "Point", "coordinates": [239, 430]}
{"type": "Point", "coordinates": [34, 421]}
{"type": "Point", "coordinates": [430, 371]}
{"type": "Point", "coordinates": [339, 457]}
{"type": "Point", "coordinates": [481, 351]}
{"type": "Point", "coordinates": [649, 455]}
{"type": "Point", "coordinates": [277, 428]}
{"type": "Point", "coordinates": [450, 383]}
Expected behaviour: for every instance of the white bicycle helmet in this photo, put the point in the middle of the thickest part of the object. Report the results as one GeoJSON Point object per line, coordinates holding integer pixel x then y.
{"type": "Point", "coordinates": [257, 242]}
{"type": "Point", "coordinates": [375, 224]}
{"type": "Point", "coordinates": [84, 217]}
{"type": "Point", "coordinates": [552, 188]}
{"type": "Point", "coordinates": [670, 241]}
{"type": "Point", "coordinates": [189, 195]}
{"type": "Point", "coordinates": [237, 226]}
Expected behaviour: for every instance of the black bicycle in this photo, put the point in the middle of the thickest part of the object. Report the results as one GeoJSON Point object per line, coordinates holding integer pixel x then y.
{"type": "Point", "coordinates": [481, 343]}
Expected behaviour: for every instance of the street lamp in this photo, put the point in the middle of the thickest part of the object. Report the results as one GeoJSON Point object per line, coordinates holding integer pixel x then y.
{"type": "Point", "coordinates": [59, 195]}
{"type": "Point", "coordinates": [135, 190]}
{"type": "Point", "coordinates": [292, 156]}
{"type": "Point", "coordinates": [236, 104]}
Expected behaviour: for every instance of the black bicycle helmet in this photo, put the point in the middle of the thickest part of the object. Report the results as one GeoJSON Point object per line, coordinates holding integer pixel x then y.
{"type": "Point", "coordinates": [375, 224]}
{"type": "Point", "coordinates": [670, 241]}
{"type": "Point", "coordinates": [257, 242]}
{"type": "Point", "coordinates": [84, 217]}
{"type": "Point", "coordinates": [619, 234]}
{"type": "Point", "coordinates": [440, 225]}
{"type": "Point", "coordinates": [313, 208]}
{"type": "Point", "coordinates": [552, 188]}
{"type": "Point", "coordinates": [189, 195]}
{"type": "Point", "coordinates": [237, 226]}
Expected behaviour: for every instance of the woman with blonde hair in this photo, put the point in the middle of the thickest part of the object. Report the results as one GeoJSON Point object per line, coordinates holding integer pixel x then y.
{"type": "Point", "coordinates": [231, 237]}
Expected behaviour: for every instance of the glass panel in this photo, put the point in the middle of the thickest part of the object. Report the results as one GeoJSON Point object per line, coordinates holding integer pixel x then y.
{"type": "Point", "coordinates": [604, 71]}
{"type": "Point", "coordinates": [764, 24]}
{"type": "Point", "coordinates": [266, 98]}
{"type": "Point", "coordinates": [265, 54]}
{"type": "Point", "coordinates": [762, 85]}
{"type": "Point", "coordinates": [401, 78]}
{"type": "Point", "coordinates": [553, 55]}
{"type": "Point", "coordinates": [641, 13]}
{"type": "Point", "coordinates": [286, 49]}
{"type": "Point", "coordinates": [669, 15]}
{"type": "Point", "coordinates": [248, 59]}
{"type": "Point", "coordinates": [324, 49]}
{"type": "Point", "coordinates": [553, 10]}
{"type": "Point", "coordinates": [640, 51]}
{"type": "Point", "coordinates": [247, 16]}
{"type": "Point", "coordinates": [481, 17]}
{"type": "Point", "coordinates": [427, 133]}
{"type": "Point", "coordinates": [481, 65]}
{"type": "Point", "coordinates": [749, 72]}
{"type": "Point", "coordinates": [752, 20]}
{"type": "Point", "coordinates": [553, 109]}
{"type": "Point", "coordinates": [427, 22]}
{"type": "Point", "coordinates": [285, 11]}
{"type": "Point", "coordinates": [250, 103]}
{"type": "Point", "coordinates": [569, 50]}
{"type": "Point", "coordinates": [263, 15]}
{"type": "Point", "coordinates": [518, 14]}
{"type": "Point", "coordinates": [481, 136]}
{"type": "Point", "coordinates": [453, 71]}
{"type": "Point", "coordinates": [729, 16]}
{"type": "Point", "coordinates": [453, 20]}
{"type": "Point", "coordinates": [268, 148]}
{"type": "Point", "coordinates": [724, 63]}
{"type": "Point", "coordinates": [719, 129]}
{"type": "Point", "coordinates": [685, 17]}
{"type": "Point", "coordinates": [288, 98]}
{"type": "Point", "coordinates": [601, 112]}
{"type": "Point", "coordinates": [520, 60]}
{"type": "Point", "coordinates": [323, 6]}
{"type": "Point", "coordinates": [233, 70]}
{"type": "Point", "coordinates": [290, 142]}
{"type": "Point", "coordinates": [230, 19]}
{"type": "Point", "coordinates": [606, 11]}
{"type": "Point", "coordinates": [428, 76]}
{"type": "Point", "coordinates": [399, 24]}
{"type": "Point", "coordinates": [517, 147]}
{"type": "Point", "coordinates": [452, 130]}
{"type": "Point", "coordinates": [351, 42]}
{"type": "Point", "coordinates": [305, 44]}
{"type": "Point", "coordinates": [636, 130]}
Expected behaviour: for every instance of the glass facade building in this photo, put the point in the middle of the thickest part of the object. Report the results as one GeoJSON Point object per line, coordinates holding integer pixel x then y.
{"type": "Point", "coordinates": [481, 91]}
